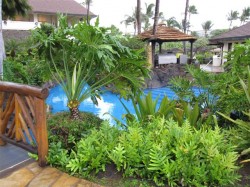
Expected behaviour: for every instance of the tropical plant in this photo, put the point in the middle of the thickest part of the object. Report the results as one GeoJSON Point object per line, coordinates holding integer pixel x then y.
{"type": "Point", "coordinates": [232, 16]}
{"type": "Point", "coordinates": [131, 20]}
{"type": "Point", "coordinates": [15, 7]}
{"type": "Point", "coordinates": [245, 15]}
{"type": "Point", "coordinates": [191, 11]}
{"type": "Point", "coordinates": [217, 32]}
{"type": "Point", "coordinates": [244, 125]}
{"type": "Point", "coordinates": [9, 9]}
{"type": "Point", "coordinates": [165, 152]}
{"type": "Point", "coordinates": [89, 55]}
{"type": "Point", "coordinates": [146, 108]}
{"type": "Point", "coordinates": [206, 26]}
{"type": "Point", "coordinates": [147, 15]}
{"type": "Point", "coordinates": [172, 22]}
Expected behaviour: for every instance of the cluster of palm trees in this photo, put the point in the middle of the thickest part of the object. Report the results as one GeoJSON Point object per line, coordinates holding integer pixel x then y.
{"type": "Point", "coordinates": [234, 15]}
{"type": "Point", "coordinates": [141, 20]}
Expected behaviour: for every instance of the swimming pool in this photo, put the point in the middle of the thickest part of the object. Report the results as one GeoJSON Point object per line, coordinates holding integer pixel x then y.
{"type": "Point", "coordinates": [109, 102]}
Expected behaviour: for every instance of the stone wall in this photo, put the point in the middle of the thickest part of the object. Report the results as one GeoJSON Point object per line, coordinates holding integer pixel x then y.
{"type": "Point", "coordinates": [161, 76]}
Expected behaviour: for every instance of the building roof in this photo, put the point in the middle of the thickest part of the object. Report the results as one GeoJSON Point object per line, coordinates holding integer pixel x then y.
{"type": "Point", "coordinates": [166, 34]}
{"type": "Point", "coordinates": [236, 34]}
{"type": "Point", "coordinates": [69, 7]}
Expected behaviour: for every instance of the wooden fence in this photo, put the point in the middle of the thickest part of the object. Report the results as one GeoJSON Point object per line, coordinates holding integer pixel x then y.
{"type": "Point", "coordinates": [23, 118]}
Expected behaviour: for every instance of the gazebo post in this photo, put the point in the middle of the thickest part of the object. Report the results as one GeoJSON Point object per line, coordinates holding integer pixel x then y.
{"type": "Point", "coordinates": [191, 51]}
{"type": "Point", "coordinates": [153, 53]}
{"type": "Point", "coordinates": [160, 46]}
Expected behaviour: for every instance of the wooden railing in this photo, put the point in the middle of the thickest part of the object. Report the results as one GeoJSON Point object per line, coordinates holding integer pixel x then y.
{"type": "Point", "coordinates": [23, 118]}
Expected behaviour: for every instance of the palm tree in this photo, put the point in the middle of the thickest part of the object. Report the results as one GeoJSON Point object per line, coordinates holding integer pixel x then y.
{"type": "Point", "coordinates": [138, 16]}
{"type": "Point", "coordinates": [185, 24]}
{"type": "Point", "coordinates": [14, 7]}
{"type": "Point", "coordinates": [191, 10]}
{"type": "Point", "coordinates": [206, 26]}
{"type": "Point", "coordinates": [98, 59]}
{"type": "Point", "coordinates": [131, 20]}
{"type": "Point", "coordinates": [185, 17]}
{"type": "Point", "coordinates": [148, 14]}
{"type": "Point", "coordinates": [232, 15]}
{"type": "Point", "coordinates": [88, 3]}
{"type": "Point", "coordinates": [172, 22]}
{"type": "Point", "coordinates": [245, 15]}
{"type": "Point", "coordinates": [156, 18]}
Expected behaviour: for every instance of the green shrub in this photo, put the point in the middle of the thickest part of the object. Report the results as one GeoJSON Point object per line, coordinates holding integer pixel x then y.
{"type": "Point", "coordinates": [67, 131]}
{"type": "Point", "coordinates": [159, 150]}
{"type": "Point", "coordinates": [167, 153]}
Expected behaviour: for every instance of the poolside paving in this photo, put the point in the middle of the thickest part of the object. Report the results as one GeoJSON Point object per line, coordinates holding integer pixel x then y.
{"type": "Point", "coordinates": [32, 175]}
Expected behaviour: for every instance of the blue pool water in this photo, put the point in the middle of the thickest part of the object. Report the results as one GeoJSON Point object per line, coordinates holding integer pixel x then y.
{"type": "Point", "coordinates": [109, 102]}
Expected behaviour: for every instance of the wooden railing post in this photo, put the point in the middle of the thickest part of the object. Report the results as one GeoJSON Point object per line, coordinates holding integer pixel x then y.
{"type": "Point", "coordinates": [41, 131]}
{"type": "Point", "coordinates": [1, 118]}
{"type": "Point", "coordinates": [17, 120]}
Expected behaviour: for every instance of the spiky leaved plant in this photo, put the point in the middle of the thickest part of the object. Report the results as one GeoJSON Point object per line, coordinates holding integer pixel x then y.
{"type": "Point", "coordinates": [86, 58]}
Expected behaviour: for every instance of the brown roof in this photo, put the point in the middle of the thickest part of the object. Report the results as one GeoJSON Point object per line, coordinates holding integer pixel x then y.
{"type": "Point", "coordinates": [166, 34]}
{"type": "Point", "coordinates": [239, 33]}
{"type": "Point", "coordinates": [69, 7]}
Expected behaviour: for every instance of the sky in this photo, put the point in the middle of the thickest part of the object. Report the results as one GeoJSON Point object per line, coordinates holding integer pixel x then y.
{"type": "Point", "coordinates": [114, 11]}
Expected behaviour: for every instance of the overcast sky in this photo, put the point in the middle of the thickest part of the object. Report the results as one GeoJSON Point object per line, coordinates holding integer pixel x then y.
{"type": "Point", "coordinates": [114, 11]}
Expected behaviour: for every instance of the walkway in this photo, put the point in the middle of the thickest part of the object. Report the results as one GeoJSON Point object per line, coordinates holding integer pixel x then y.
{"type": "Point", "coordinates": [17, 169]}
{"type": "Point", "coordinates": [34, 176]}
{"type": "Point", "coordinates": [211, 68]}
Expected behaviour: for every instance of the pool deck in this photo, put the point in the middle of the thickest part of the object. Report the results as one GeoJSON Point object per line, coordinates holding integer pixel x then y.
{"type": "Point", "coordinates": [211, 68]}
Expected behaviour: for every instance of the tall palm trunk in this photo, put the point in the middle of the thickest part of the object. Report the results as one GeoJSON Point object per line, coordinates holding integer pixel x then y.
{"type": "Point", "coordinates": [157, 5]}
{"type": "Point", "coordinates": [138, 16]}
{"type": "Point", "coordinates": [185, 25]}
{"type": "Point", "coordinates": [88, 7]}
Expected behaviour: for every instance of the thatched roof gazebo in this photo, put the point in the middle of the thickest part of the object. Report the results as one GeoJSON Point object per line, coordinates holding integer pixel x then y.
{"type": "Point", "coordinates": [166, 34]}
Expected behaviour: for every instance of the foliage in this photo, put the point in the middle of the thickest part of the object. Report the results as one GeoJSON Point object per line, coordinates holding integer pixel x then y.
{"type": "Point", "coordinates": [26, 68]}
{"type": "Point", "coordinates": [91, 153]}
{"type": "Point", "coordinates": [244, 126]}
{"type": "Point", "coordinates": [88, 56]}
{"type": "Point", "coordinates": [66, 131]}
{"type": "Point", "coordinates": [222, 92]}
{"type": "Point", "coordinates": [15, 7]}
{"type": "Point", "coordinates": [159, 150]}
{"type": "Point", "coordinates": [206, 26]}
{"type": "Point", "coordinates": [217, 32]}
{"type": "Point", "coordinates": [166, 152]}
{"type": "Point", "coordinates": [146, 108]}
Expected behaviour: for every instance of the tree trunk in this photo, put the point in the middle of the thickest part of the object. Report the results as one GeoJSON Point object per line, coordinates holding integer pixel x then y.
{"type": "Point", "coordinates": [185, 25]}
{"type": "Point", "coordinates": [138, 16]}
{"type": "Point", "coordinates": [157, 5]}
{"type": "Point", "coordinates": [2, 50]}
{"type": "Point", "coordinates": [75, 114]}
{"type": "Point", "coordinates": [88, 6]}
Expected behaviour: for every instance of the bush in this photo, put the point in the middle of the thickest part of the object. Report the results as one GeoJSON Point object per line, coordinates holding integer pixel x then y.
{"type": "Point", "coordinates": [167, 153]}
{"type": "Point", "coordinates": [67, 131]}
{"type": "Point", "coordinates": [160, 150]}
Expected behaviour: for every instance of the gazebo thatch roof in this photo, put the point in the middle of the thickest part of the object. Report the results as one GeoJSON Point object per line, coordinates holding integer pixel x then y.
{"type": "Point", "coordinates": [166, 34]}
